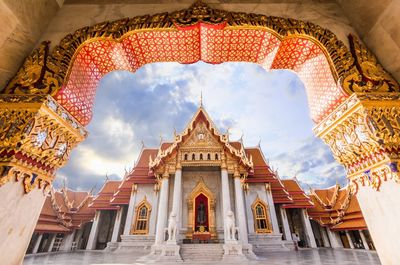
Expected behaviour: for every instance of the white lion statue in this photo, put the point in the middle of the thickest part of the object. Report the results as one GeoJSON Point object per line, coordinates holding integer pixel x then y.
{"type": "Point", "coordinates": [230, 228]}
{"type": "Point", "coordinates": [172, 227]}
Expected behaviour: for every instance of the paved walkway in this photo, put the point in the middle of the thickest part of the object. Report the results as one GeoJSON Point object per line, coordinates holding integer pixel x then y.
{"type": "Point", "coordinates": [302, 257]}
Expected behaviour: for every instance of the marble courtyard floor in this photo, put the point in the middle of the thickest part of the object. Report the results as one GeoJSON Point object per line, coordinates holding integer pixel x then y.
{"type": "Point", "coordinates": [306, 256]}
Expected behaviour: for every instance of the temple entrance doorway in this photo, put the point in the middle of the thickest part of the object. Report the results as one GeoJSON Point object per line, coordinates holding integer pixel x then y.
{"type": "Point", "coordinates": [201, 215]}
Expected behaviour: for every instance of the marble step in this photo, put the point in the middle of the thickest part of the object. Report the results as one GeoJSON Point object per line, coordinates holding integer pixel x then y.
{"type": "Point", "coordinates": [201, 252]}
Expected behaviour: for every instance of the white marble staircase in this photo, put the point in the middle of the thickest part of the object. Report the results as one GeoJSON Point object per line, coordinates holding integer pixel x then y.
{"type": "Point", "coordinates": [201, 252]}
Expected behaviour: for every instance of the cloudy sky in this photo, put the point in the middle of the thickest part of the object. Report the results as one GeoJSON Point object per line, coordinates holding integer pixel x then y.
{"type": "Point", "coordinates": [142, 106]}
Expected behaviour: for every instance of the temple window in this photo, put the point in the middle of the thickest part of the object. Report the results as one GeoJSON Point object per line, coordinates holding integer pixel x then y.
{"type": "Point", "coordinates": [186, 157]}
{"type": "Point", "coordinates": [141, 225]}
{"type": "Point", "coordinates": [208, 157]}
{"type": "Point", "coordinates": [193, 157]}
{"type": "Point", "coordinates": [201, 156]}
{"type": "Point", "coordinates": [261, 219]}
{"type": "Point", "coordinates": [216, 156]}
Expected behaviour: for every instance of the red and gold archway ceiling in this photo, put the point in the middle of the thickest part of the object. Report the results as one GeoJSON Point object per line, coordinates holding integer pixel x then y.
{"type": "Point", "coordinates": [208, 44]}
{"type": "Point", "coordinates": [72, 70]}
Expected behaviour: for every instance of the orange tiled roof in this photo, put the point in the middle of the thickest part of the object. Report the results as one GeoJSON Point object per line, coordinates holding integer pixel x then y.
{"type": "Point", "coordinates": [102, 199]}
{"type": "Point", "coordinates": [64, 210]}
{"type": "Point", "coordinates": [139, 174]}
{"type": "Point", "coordinates": [336, 208]}
{"type": "Point", "coordinates": [300, 198]}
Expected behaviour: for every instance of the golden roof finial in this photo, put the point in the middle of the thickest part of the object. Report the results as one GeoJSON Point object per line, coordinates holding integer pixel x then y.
{"type": "Point", "coordinates": [201, 98]}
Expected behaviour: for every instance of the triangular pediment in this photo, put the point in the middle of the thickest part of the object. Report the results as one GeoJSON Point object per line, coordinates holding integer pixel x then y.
{"type": "Point", "coordinates": [200, 132]}
{"type": "Point", "coordinates": [201, 137]}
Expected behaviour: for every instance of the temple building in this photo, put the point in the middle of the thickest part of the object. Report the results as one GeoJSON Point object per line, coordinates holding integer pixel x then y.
{"type": "Point", "coordinates": [202, 188]}
{"type": "Point", "coordinates": [64, 222]}
{"type": "Point", "coordinates": [337, 219]}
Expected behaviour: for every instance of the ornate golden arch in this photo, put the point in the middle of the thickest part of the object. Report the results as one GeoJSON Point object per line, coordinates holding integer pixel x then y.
{"type": "Point", "coordinates": [45, 71]}
{"type": "Point", "coordinates": [201, 188]}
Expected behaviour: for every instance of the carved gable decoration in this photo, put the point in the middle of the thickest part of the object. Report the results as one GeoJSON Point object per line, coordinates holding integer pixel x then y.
{"type": "Point", "coordinates": [201, 137]}
{"type": "Point", "coordinates": [202, 134]}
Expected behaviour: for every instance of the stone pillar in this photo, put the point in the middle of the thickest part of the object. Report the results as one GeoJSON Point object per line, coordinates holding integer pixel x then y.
{"type": "Point", "coordinates": [308, 228]}
{"type": "Point", "coordinates": [117, 225]}
{"type": "Point", "coordinates": [92, 241]}
{"type": "Point", "coordinates": [364, 239]}
{"type": "Point", "coordinates": [66, 244]}
{"type": "Point", "coordinates": [176, 200]}
{"type": "Point", "coordinates": [349, 239]}
{"type": "Point", "coordinates": [325, 239]}
{"type": "Point", "coordinates": [272, 212]}
{"type": "Point", "coordinates": [226, 199]}
{"type": "Point", "coordinates": [78, 236]}
{"type": "Point", "coordinates": [37, 244]}
{"type": "Point", "coordinates": [38, 128]}
{"type": "Point", "coordinates": [334, 239]}
{"type": "Point", "coordinates": [241, 213]}
{"type": "Point", "coordinates": [285, 222]}
{"type": "Point", "coordinates": [53, 239]}
{"type": "Point", "coordinates": [162, 211]}
{"type": "Point", "coordinates": [131, 210]}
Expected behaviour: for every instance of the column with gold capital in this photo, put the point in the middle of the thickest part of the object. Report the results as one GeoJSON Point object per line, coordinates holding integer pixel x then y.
{"type": "Point", "coordinates": [36, 137]}
{"type": "Point", "coordinates": [364, 136]}
{"type": "Point", "coordinates": [176, 199]}
{"type": "Point", "coordinates": [162, 208]}
{"type": "Point", "coordinates": [241, 213]}
{"type": "Point", "coordinates": [226, 201]}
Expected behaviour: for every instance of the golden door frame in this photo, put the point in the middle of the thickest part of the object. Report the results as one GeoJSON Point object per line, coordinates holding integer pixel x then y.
{"type": "Point", "coordinates": [201, 188]}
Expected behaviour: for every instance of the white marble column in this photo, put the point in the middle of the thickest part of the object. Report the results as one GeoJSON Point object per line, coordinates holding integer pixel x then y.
{"type": "Point", "coordinates": [285, 222]}
{"type": "Point", "coordinates": [334, 239]}
{"type": "Point", "coordinates": [241, 214]}
{"type": "Point", "coordinates": [67, 241]}
{"type": "Point", "coordinates": [117, 225]}
{"type": "Point", "coordinates": [131, 209]}
{"type": "Point", "coordinates": [272, 212]}
{"type": "Point", "coordinates": [364, 239]}
{"type": "Point", "coordinates": [52, 240]}
{"type": "Point", "coordinates": [176, 199]}
{"type": "Point", "coordinates": [92, 241]}
{"type": "Point", "coordinates": [324, 236]}
{"type": "Point", "coordinates": [226, 198]}
{"type": "Point", "coordinates": [349, 239]}
{"type": "Point", "coordinates": [162, 211]}
{"type": "Point", "coordinates": [308, 229]}
{"type": "Point", "coordinates": [37, 244]}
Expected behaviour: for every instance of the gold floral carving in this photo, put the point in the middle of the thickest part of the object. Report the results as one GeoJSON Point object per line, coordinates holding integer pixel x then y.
{"type": "Point", "coordinates": [364, 135]}
{"type": "Point", "coordinates": [37, 75]}
{"type": "Point", "coordinates": [36, 135]}
{"type": "Point", "coordinates": [44, 72]}
{"type": "Point", "coordinates": [367, 75]}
